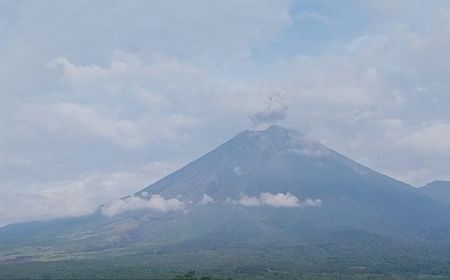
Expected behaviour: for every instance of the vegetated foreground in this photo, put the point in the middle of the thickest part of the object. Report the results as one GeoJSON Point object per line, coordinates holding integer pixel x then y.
{"type": "Point", "coordinates": [325, 262]}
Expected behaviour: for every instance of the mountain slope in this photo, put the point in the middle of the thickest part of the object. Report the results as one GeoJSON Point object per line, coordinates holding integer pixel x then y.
{"type": "Point", "coordinates": [278, 160]}
{"type": "Point", "coordinates": [274, 187]}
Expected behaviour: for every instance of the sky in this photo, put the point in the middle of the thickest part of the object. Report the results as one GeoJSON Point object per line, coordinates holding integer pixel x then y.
{"type": "Point", "coordinates": [99, 99]}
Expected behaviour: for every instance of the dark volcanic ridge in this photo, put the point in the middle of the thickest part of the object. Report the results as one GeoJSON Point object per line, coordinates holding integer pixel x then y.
{"type": "Point", "coordinates": [274, 187]}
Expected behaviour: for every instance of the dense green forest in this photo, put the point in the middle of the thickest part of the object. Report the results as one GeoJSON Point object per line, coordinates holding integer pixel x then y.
{"type": "Point", "coordinates": [283, 264]}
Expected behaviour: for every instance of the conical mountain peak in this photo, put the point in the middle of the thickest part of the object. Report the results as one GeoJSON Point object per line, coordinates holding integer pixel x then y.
{"type": "Point", "coordinates": [274, 130]}
{"type": "Point", "coordinates": [264, 188]}
{"type": "Point", "coordinates": [279, 139]}
{"type": "Point", "coordinates": [276, 160]}
{"type": "Point", "coordinates": [283, 168]}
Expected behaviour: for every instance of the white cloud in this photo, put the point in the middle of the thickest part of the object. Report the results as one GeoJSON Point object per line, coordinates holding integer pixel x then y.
{"type": "Point", "coordinates": [312, 203]}
{"type": "Point", "coordinates": [75, 197]}
{"type": "Point", "coordinates": [154, 202]}
{"type": "Point", "coordinates": [428, 139]}
{"type": "Point", "coordinates": [124, 69]}
{"type": "Point", "coordinates": [276, 200]}
{"type": "Point", "coordinates": [65, 199]}
{"type": "Point", "coordinates": [80, 74]}
{"type": "Point", "coordinates": [76, 119]}
{"type": "Point", "coordinates": [279, 200]}
{"type": "Point", "coordinates": [432, 139]}
{"type": "Point", "coordinates": [206, 199]}
{"type": "Point", "coordinates": [249, 200]}
{"type": "Point", "coordinates": [73, 119]}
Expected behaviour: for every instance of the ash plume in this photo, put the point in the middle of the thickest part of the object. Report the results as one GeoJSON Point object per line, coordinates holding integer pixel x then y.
{"type": "Point", "coordinates": [275, 111]}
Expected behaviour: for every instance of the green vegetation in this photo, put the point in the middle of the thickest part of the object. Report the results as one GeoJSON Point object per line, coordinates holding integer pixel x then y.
{"type": "Point", "coordinates": [288, 263]}
{"type": "Point", "coordinates": [191, 275]}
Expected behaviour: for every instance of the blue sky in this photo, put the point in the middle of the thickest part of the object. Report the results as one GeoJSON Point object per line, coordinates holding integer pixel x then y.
{"type": "Point", "coordinates": [101, 98]}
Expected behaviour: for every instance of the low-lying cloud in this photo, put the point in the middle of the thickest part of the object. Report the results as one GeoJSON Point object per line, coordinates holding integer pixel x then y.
{"type": "Point", "coordinates": [279, 200]}
{"type": "Point", "coordinates": [276, 200]}
{"type": "Point", "coordinates": [206, 199]}
{"type": "Point", "coordinates": [155, 202]}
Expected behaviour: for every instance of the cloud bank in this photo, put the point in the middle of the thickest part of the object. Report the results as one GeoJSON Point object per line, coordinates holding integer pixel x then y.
{"type": "Point", "coordinates": [76, 197]}
{"type": "Point", "coordinates": [154, 202]}
{"type": "Point", "coordinates": [276, 200]}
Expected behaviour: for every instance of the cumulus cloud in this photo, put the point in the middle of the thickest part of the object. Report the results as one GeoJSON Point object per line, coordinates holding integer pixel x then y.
{"type": "Point", "coordinates": [249, 200]}
{"type": "Point", "coordinates": [154, 202]}
{"type": "Point", "coordinates": [279, 199]}
{"type": "Point", "coordinates": [206, 199]}
{"type": "Point", "coordinates": [312, 203]}
{"type": "Point", "coordinates": [276, 200]}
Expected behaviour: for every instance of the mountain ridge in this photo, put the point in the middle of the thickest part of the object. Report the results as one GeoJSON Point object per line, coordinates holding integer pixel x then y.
{"type": "Point", "coordinates": [260, 188]}
{"type": "Point", "coordinates": [438, 190]}
{"type": "Point", "coordinates": [262, 140]}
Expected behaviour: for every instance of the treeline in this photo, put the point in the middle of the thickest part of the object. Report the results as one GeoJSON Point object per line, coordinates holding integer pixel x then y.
{"type": "Point", "coordinates": [193, 276]}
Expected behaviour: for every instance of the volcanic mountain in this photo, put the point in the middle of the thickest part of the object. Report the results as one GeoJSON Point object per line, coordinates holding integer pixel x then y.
{"type": "Point", "coordinates": [269, 188]}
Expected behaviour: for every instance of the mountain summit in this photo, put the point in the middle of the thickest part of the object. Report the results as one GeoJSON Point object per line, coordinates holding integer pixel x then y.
{"type": "Point", "coordinates": [252, 162]}
{"type": "Point", "coordinates": [272, 160]}
{"type": "Point", "coordinates": [260, 188]}
{"type": "Point", "coordinates": [278, 181]}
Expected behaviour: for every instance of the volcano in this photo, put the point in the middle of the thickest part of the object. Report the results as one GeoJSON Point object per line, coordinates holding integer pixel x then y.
{"type": "Point", "coordinates": [272, 188]}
